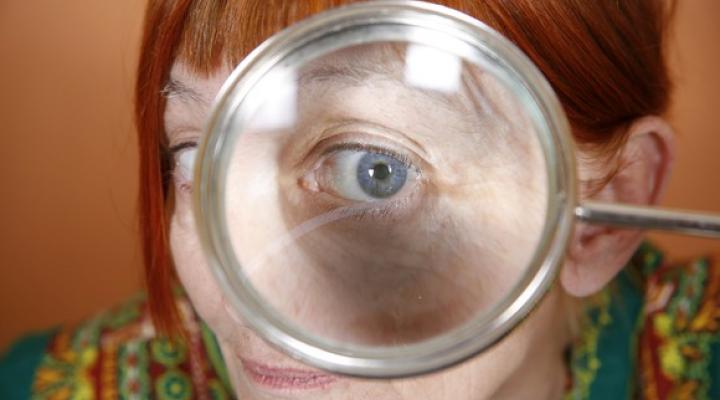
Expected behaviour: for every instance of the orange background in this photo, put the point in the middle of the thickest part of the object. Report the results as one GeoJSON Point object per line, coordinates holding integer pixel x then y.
{"type": "Point", "coordinates": [68, 244]}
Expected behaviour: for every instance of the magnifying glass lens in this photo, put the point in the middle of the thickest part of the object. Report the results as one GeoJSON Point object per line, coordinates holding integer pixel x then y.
{"type": "Point", "coordinates": [384, 193]}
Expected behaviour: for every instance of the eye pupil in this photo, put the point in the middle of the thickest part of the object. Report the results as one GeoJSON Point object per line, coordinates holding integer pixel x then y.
{"type": "Point", "coordinates": [380, 171]}
{"type": "Point", "coordinates": [381, 176]}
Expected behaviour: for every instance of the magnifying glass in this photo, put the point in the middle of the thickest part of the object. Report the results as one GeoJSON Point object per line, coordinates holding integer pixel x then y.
{"type": "Point", "coordinates": [388, 188]}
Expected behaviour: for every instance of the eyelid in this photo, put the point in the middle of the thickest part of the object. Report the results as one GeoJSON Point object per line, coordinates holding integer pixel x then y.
{"type": "Point", "coordinates": [364, 142]}
{"type": "Point", "coordinates": [182, 146]}
{"type": "Point", "coordinates": [368, 148]}
{"type": "Point", "coordinates": [319, 133]}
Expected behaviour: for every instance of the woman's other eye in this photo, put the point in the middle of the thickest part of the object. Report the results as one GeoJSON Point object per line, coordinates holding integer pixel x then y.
{"type": "Point", "coordinates": [364, 175]}
{"type": "Point", "coordinates": [184, 156]}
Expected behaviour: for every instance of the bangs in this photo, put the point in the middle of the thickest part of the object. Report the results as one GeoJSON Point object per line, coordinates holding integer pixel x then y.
{"type": "Point", "coordinates": [222, 33]}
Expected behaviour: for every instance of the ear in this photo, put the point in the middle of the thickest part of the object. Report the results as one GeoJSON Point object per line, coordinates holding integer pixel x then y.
{"type": "Point", "coordinates": [598, 253]}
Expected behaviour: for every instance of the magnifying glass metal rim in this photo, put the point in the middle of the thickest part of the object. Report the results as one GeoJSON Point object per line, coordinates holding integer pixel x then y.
{"type": "Point", "coordinates": [447, 349]}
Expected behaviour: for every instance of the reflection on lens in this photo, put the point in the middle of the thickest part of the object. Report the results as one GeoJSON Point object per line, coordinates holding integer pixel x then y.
{"type": "Point", "coordinates": [385, 193]}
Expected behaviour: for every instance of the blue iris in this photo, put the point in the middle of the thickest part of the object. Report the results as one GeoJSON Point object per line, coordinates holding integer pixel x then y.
{"type": "Point", "coordinates": [381, 175]}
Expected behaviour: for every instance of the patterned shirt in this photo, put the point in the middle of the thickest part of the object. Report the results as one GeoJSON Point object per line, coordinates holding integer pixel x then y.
{"type": "Point", "coordinates": [654, 333]}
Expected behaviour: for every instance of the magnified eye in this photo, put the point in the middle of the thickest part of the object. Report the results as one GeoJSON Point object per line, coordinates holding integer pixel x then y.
{"type": "Point", "coordinates": [365, 175]}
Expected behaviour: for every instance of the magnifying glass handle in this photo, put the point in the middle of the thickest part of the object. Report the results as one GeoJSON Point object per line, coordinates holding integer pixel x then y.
{"type": "Point", "coordinates": [653, 218]}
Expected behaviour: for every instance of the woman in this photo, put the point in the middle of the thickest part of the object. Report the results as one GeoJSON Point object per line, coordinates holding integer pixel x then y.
{"type": "Point", "coordinates": [604, 60]}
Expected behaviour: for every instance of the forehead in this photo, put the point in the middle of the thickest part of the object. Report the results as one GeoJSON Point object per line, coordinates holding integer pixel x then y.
{"type": "Point", "coordinates": [191, 93]}
{"type": "Point", "coordinates": [352, 66]}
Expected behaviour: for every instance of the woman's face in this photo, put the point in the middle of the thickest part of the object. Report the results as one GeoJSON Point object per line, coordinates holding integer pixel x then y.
{"type": "Point", "coordinates": [369, 206]}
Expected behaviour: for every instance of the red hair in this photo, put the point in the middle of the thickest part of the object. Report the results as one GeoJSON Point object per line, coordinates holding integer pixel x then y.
{"type": "Point", "coordinates": [605, 60]}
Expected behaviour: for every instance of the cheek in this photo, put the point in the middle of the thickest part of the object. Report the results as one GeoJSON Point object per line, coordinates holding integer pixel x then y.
{"type": "Point", "coordinates": [194, 272]}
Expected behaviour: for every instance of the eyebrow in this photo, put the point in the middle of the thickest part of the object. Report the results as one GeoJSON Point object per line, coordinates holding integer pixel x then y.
{"type": "Point", "coordinates": [348, 74]}
{"type": "Point", "coordinates": [177, 89]}
{"type": "Point", "coordinates": [354, 75]}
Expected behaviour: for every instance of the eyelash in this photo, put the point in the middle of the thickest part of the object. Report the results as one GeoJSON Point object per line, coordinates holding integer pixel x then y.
{"type": "Point", "coordinates": [174, 150]}
{"type": "Point", "coordinates": [371, 148]}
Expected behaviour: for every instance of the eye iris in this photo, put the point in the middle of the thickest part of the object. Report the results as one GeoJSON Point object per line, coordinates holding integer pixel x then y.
{"type": "Point", "coordinates": [380, 175]}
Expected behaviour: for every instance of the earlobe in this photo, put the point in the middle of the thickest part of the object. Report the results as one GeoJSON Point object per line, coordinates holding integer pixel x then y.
{"type": "Point", "coordinates": [598, 253]}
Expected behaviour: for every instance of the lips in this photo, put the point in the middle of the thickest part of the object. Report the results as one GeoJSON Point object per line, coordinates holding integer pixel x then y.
{"type": "Point", "coordinates": [280, 378]}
